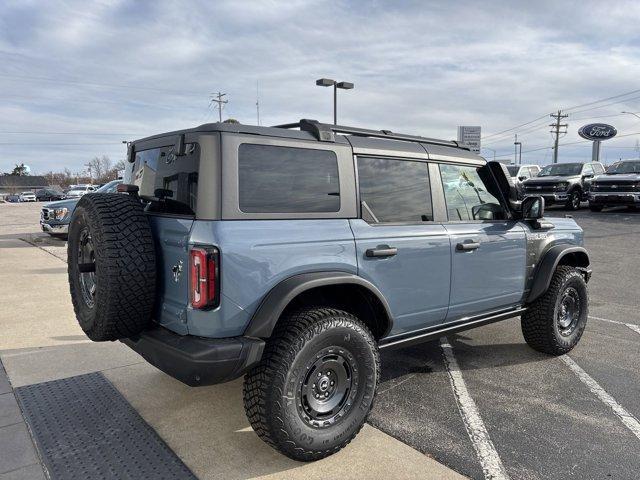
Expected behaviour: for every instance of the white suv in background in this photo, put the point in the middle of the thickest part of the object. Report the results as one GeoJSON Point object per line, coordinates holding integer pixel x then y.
{"type": "Point", "coordinates": [79, 190]}
{"type": "Point", "coordinates": [519, 173]}
{"type": "Point", "coordinates": [27, 197]}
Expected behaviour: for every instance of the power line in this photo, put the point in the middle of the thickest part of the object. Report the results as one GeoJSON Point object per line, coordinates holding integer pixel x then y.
{"type": "Point", "coordinates": [72, 133]}
{"type": "Point", "coordinates": [514, 128]}
{"type": "Point", "coordinates": [96, 84]}
{"type": "Point", "coordinates": [56, 144]}
{"type": "Point", "coordinates": [607, 104]}
{"type": "Point", "coordinates": [573, 108]}
{"type": "Point", "coordinates": [602, 100]}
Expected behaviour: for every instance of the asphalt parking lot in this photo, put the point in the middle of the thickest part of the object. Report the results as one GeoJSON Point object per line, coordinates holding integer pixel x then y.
{"type": "Point", "coordinates": [480, 402]}
{"type": "Point", "coordinates": [543, 420]}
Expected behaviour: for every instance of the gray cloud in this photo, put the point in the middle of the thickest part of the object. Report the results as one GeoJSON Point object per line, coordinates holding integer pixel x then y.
{"type": "Point", "coordinates": [138, 68]}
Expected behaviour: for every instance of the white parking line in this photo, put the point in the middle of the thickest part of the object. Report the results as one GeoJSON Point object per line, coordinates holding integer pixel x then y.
{"type": "Point", "coordinates": [485, 450]}
{"type": "Point", "coordinates": [628, 419]}
{"type": "Point", "coordinates": [635, 328]}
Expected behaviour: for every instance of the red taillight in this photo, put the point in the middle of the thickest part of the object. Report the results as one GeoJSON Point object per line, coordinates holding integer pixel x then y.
{"type": "Point", "coordinates": [203, 276]}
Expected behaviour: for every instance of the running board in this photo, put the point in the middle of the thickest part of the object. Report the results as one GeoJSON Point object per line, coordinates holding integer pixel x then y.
{"type": "Point", "coordinates": [440, 330]}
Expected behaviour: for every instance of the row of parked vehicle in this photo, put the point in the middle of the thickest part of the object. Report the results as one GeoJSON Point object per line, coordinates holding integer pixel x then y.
{"type": "Point", "coordinates": [569, 184]}
{"type": "Point", "coordinates": [50, 194]}
{"type": "Point", "coordinates": [55, 216]}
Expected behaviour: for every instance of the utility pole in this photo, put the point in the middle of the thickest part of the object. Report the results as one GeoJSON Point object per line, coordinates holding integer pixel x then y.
{"type": "Point", "coordinates": [556, 131]}
{"type": "Point", "coordinates": [517, 144]}
{"type": "Point", "coordinates": [217, 97]}
{"type": "Point", "coordinates": [257, 103]}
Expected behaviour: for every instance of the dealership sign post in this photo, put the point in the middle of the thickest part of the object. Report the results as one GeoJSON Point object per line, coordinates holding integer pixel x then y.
{"type": "Point", "coordinates": [596, 132]}
{"type": "Point", "coordinates": [470, 136]}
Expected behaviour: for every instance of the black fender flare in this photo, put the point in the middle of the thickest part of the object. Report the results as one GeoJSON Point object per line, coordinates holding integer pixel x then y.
{"type": "Point", "coordinates": [548, 264]}
{"type": "Point", "coordinates": [266, 316]}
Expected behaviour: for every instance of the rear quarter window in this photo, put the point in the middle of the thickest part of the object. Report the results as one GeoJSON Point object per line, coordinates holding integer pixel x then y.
{"type": "Point", "coordinates": [275, 179]}
{"type": "Point", "coordinates": [168, 183]}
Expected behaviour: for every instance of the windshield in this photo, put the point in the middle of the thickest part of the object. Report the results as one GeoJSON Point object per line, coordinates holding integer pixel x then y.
{"type": "Point", "coordinates": [561, 169]}
{"type": "Point", "coordinates": [513, 171]}
{"type": "Point", "coordinates": [109, 187]}
{"type": "Point", "coordinates": [624, 167]}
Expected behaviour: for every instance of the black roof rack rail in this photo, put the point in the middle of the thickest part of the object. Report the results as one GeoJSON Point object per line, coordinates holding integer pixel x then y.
{"type": "Point", "coordinates": [325, 133]}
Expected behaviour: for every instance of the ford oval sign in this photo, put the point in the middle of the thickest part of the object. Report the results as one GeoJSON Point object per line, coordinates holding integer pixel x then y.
{"type": "Point", "coordinates": [597, 131]}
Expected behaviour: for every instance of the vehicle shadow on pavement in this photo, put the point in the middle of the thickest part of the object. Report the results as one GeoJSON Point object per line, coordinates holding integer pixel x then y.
{"type": "Point", "coordinates": [427, 358]}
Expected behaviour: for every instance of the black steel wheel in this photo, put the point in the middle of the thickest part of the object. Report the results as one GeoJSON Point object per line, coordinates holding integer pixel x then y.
{"type": "Point", "coordinates": [327, 392]}
{"type": "Point", "coordinates": [315, 385]}
{"type": "Point", "coordinates": [568, 311]}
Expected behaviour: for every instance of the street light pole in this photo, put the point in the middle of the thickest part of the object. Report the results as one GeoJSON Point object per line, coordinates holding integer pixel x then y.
{"type": "Point", "coordinates": [494, 152]}
{"type": "Point", "coordinates": [327, 82]}
{"type": "Point", "coordinates": [631, 113]}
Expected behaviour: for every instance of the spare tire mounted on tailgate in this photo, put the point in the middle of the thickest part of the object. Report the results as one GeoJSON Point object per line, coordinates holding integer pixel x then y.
{"type": "Point", "coordinates": [112, 266]}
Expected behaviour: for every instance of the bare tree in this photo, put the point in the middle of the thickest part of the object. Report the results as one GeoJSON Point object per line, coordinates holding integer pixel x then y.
{"type": "Point", "coordinates": [100, 169]}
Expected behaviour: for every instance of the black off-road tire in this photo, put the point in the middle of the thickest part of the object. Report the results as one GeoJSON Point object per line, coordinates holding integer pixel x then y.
{"type": "Point", "coordinates": [274, 398]}
{"type": "Point", "coordinates": [573, 202]}
{"type": "Point", "coordinates": [541, 326]}
{"type": "Point", "coordinates": [595, 208]}
{"type": "Point", "coordinates": [114, 227]}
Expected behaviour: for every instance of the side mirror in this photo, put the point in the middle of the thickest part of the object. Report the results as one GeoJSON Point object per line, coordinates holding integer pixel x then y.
{"type": "Point", "coordinates": [532, 207]}
{"type": "Point", "coordinates": [522, 178]}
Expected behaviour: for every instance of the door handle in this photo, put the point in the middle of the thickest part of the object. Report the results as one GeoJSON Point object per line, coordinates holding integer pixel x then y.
{"type": "Point", "coordinates": [467, 246]}
{"type": "Point", "coordinates": [381, 251]}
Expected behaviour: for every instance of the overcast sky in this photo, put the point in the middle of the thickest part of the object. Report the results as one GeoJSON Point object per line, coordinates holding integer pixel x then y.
{"type": "Point", "coordinates": [111, 71]}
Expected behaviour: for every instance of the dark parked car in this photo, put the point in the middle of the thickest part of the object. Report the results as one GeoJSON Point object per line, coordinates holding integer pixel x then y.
{"type": "Point", "coordinates": [293, 254]}
{"type": "Point", "coordinates": [13, 198]}
{"type": "Point", "coordinates": [48, 195]}
{"type": "Point", "coordinates": [564, 183]}
{"type": "Point", "coordinates": [620, 185]}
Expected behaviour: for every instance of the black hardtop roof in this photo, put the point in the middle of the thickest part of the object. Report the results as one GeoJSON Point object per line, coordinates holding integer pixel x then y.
{"type": "Point", "coordinates": [307, 130]}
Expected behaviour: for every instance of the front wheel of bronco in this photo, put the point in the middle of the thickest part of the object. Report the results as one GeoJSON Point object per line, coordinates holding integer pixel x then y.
{"type": "Point", "coordinates": [554, 322]}
{"type": "Point", "coordinates": [314, 387]}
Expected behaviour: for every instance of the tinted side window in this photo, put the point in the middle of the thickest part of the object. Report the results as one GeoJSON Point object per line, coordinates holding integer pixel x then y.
{"type": "Point", "coordinates": [395, 190]}
{"type": "Point", "coordinates": [534, 171]}
{"type": "Point", "coordinates": [167, 182]}
{"type": "Point", "coordinates": [597, 168]}
{"type": "Point", "coordinates": [466, 195]}
{"type": "Point", "coordinates": [287, 180]}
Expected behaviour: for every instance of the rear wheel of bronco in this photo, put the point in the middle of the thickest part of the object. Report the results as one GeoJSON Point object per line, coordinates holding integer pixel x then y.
{"type": "Point", "coordinates": [111, 265]}
{"type": "Point", "coordinates": [573, 202]}
{"type": "Point", "coordinates": [314, 388]}
{"type": "Point", "coordinates": [554, 322]}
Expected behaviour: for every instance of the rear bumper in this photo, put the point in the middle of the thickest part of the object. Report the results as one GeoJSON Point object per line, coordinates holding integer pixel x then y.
{"type": "Point", "coordinates": [197, 361]}
{"type": "Point", "coordinates": [622, 198]}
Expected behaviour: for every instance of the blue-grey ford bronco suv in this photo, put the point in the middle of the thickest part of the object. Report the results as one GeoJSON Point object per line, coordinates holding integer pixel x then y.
{"type": "Point", "coordinates": [293, 254]}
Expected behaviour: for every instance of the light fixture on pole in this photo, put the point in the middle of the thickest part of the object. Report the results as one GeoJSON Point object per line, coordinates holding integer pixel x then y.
{"type": "Point", "coordinates": [327, 82]}
{"type": "Point", "coordinates": [631, 113]}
